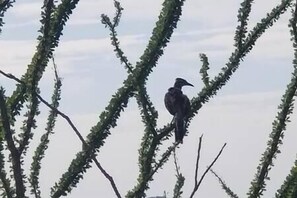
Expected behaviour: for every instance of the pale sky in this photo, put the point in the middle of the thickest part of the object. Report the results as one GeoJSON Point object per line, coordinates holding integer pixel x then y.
{"type": "Point", "coordinates": [240, 115]}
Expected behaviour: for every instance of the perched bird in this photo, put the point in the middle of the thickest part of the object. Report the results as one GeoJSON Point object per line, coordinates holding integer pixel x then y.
{"type": "Point", "coordinates": [178, 105]}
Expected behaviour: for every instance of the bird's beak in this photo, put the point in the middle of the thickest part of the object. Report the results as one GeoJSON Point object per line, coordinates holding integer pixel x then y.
{"type": "Point", "coordinates": [189, 84]}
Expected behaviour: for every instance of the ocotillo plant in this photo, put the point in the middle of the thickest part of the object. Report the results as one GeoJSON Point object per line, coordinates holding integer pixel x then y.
{"type": "Point", "coordinates": [27, 98]}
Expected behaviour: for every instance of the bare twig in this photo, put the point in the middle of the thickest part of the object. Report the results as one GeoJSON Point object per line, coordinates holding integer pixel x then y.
{"type": "Point", "coordinates": [197, 159]}
{"type": "Point", "coordinates": [197, 185]}
{"type": "Point", "coordinates": [164, 158]}
{"type": "Point", "coordinates": [176, 163]}
{"type": "Point", "coordinates": [8, 75]}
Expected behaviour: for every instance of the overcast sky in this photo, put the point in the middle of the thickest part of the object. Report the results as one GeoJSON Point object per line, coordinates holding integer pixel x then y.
{"type": "Point", "coordinates": [241, 114]}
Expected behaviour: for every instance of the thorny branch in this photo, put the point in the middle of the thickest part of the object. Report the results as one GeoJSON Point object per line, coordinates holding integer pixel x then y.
{"type": "Point", "coordinates": [216, 84]}
{"type": "Point", "coordinates": [141, 96]}
{"type": "Point", "coordinates": [285, 108]}
{"type": "Point", "coordinates": [224, 185]}
{"type": "Point", "coordinates": [8, 75]}
{"type": "Point", "coordinates": [180, 179]}
{"type": "Point", "coordinates": [164, 158]}
{"type": "Point", "coordinates": [44, 139]}
{"type": "Point", "coordinates": [113, 34]}
{"type": "Point", "coordinates": [14, 153]}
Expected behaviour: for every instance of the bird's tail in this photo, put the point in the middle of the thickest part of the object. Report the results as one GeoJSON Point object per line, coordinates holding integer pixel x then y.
{"type": "Point", "coordinates": [179, 129]}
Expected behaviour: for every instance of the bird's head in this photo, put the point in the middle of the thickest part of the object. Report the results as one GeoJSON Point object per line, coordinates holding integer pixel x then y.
{"type": "Point", "coordinates": [179, 83]}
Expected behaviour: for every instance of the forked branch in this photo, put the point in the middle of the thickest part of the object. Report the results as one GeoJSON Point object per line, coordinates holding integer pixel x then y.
{"type": "Point", "coordinates": [198, 183]}
{"type": "Point", "coordinates": [69, 121]}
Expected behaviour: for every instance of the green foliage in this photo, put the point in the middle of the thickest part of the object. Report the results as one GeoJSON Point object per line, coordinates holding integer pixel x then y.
{"type": "Point", "coordinates": [34, 72]}
{"type": "Point", "coordinates": [4, 5]}
{"type": "Point", "coordinates": [180, 179]}
{"type": "Point", "coordinates": [40, 150]}
{"type": "Point", "coordinates": [289, 187]}
{"type": "Point", "coordinates": [225, 187]}
{"type": "Point", "coordinates": [135, 86]}
{"type": "Point", "coordinates": [5, 123]}
{"type": "Point", "coordinates": [95, 140]}
{"type": "Point", "coordinates": [5, 183]}
{"type": "Point", "coordinates": [147, 172]}
{"type": "Point", "coordinates": [278, 126]}
{"type": "Point", "coordinates": [113, 34]}
{"type": "Point", "coordinates": [148, 112]}
{"type": "Point", "coordinates": [53, 20]}
{"type": "Point", "coordinates": [14, 154]}
{"type": "Point", "coordinates": [177, 192]}
{"type": "Point", "coordinates": [232, 65]}
{"type": "Point", "coordinates": [160, 37]}
{"type": "Point", "coordinates": [241, 30]}
{"type": "Point", "coordinates": [204, 69]}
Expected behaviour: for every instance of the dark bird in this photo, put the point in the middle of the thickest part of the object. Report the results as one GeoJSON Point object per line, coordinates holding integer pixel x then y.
{"type": "Point", "coordinates": [179, 106]}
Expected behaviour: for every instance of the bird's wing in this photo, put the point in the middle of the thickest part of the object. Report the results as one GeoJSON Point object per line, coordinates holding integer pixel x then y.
{"type": "Point", "coordinates": [187, 105]}
{"type": "Point", "coordinates": [180, 118]}
{"type": "Point", "coordinates": [169, 101]}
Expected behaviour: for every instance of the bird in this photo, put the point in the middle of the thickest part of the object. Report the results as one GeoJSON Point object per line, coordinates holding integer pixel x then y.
{"type": "Point", "coordinates": [179, 106]}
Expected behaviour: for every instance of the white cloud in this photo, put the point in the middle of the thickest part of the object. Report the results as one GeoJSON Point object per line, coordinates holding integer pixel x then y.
{"type": "Point", "coordinates": [89, 12]}
{"type": "Point", "coordinates": [16, 55]}
{"type": "Point", "coordinates": [27, 10]}
{"type": "Point", "coordinates": [276, 43]}
{"type": "Point", "coordinates": [22, 24]}
{"type": "Point", "coordinates": [83, 47]}
{"type": "Point", "coordinates": [235, 119]}
{"type": "Point", "coordinates": [243, 121]}
{"type": "Point", "coordinates": [95, 46]}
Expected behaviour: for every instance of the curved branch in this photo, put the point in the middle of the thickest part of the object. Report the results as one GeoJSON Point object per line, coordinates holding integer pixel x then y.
{"type": "Point", "coordinates": [148, 112]}
{"type": "Point", "coordinates": [197, 184]}
{"type": "Point", "coordinates": [85, 145]}
{"type": "Point", "coordinates": [113, 34]}
{"type": "Point", "coordinates": [160, 37]}
{"type": "Point", "coordinates": [231, 66]}
{"type": "Point", "coordinates": [279, 125]}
